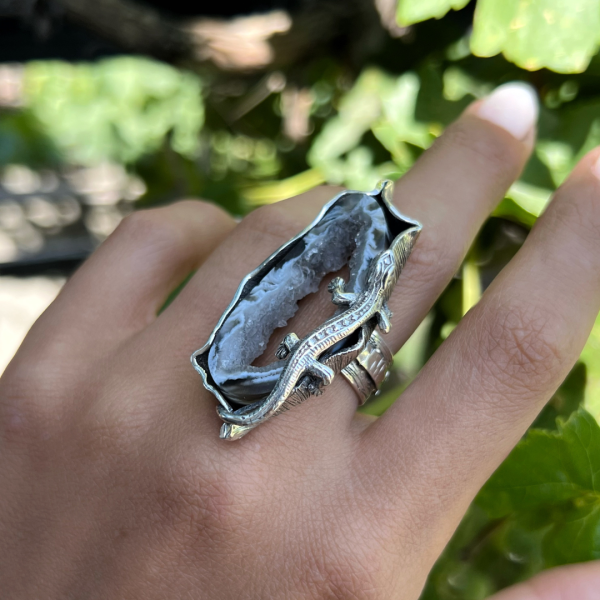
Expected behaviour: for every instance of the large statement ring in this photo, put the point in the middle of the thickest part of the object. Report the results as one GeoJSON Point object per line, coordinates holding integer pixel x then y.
{"type": "Point", "coordinates": [362, 230]}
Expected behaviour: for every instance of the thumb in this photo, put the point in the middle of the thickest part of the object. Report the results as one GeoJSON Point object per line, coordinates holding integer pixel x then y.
{"type": "Point", "coordinates": [574, 582]}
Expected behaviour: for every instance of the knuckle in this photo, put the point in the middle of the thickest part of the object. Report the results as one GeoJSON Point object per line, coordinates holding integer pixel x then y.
{"type": "Point", "coordinates": [31, 402]}
{"type": "Point", "coordinates": [200, 506]}
{"type": "Point", "coordinates": [519, 347]}
{"type": "Point", "coordinates": [150, 229]}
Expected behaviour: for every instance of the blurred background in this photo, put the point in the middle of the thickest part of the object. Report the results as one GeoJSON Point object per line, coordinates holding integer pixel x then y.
{"type": "Point", "coordinates": [108, 106]}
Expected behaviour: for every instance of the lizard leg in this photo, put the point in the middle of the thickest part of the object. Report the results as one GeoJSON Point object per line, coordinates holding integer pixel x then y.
{"type": "Point", "coordinates": [339, 296]}
{"type": "Point", "coordinates": [321, 371]}
{"type": "Point", "coordinates": [384, 319]}
{"type": "Point", "coordinates": [289, 342]}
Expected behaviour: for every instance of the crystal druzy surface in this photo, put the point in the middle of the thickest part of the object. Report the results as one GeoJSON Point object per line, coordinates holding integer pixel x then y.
{"type": "Point", "coordinates": [352, 232]}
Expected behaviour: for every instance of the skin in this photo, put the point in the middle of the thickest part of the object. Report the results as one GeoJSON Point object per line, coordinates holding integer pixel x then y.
{"type": "Point", "coordinates": [116, 485]}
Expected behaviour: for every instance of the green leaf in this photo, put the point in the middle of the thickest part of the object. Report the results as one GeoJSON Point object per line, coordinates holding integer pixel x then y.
{"type": "Point", "coordinates": [575, 534]}
{"type": "Point", "coordinates": [414, 11]}
{"type": "Point", "coordinates": [561, 35]}
{"type": "Point", "coordinates": [530, 198]}
{"type": "Point", "coordinates": [547, 468]}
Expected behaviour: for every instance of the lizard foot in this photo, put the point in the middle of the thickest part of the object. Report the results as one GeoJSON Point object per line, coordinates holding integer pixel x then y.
{"type": "Point", "coordinates": [339, 296]}
{"type": "Point", "coordinates": [289, 342]}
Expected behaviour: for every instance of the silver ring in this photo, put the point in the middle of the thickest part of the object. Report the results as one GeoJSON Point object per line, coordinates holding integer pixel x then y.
{"type": "Point", "coordinates": [370, 368]}
{"type": "Point", "coordinates": [364, 231]}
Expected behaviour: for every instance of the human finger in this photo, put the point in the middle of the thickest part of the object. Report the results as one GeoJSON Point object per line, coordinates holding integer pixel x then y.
{"type": "Point", "coordinates": [120, 289]}
{"type": "Point", "coordinates": [478, 394]}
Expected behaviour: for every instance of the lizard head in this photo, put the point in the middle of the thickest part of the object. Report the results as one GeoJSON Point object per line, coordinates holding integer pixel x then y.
{"type": "Point", "coordinates": [382, 271]}
{"type": "Point", "coordinates": [386, 267]}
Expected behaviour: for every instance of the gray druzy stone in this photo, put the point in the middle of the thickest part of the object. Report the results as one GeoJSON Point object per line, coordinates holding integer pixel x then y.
{"type": "Point", "coordinates": [352, 231]}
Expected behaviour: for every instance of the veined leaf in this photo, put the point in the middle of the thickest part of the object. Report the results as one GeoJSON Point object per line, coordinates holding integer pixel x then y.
{"type": "Point", "coordinates": [547, 468]}
{"type": "Point", "coordinates": [575, 534]}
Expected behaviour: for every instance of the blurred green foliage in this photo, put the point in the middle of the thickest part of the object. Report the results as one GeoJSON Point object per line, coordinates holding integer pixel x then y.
{"type": "Point", "coordinates": [225, 138]}
{"type": "Point", "coordinates": [118, 109]}
{"type": "Point", "coordinates": [540, 509]}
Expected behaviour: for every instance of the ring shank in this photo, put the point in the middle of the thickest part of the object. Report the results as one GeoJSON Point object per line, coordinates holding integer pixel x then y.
{"type": "Point", "coordinates": [368, 371]}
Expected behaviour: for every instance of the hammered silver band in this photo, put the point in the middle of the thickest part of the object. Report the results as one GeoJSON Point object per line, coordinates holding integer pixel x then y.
{"type": "Point", "coordinates": [369, 369]}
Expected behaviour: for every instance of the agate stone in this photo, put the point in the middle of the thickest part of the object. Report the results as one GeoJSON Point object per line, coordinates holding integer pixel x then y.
{"type": "Point", "coordinates": [351, 230]}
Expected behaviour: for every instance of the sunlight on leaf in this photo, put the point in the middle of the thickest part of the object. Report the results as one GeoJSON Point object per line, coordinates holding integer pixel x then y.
{"type": "Point", "coordinates": [561, 35]}
{"type": "Point", "coordinates": [413, 11]}
{"type": "Point", "coordinates": [530, 198]}
{"type": "Point", "coordinates": [471, 285]}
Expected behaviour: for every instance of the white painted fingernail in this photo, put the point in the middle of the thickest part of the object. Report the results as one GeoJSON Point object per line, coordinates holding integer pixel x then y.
{"type": "Point", "coordinates": [596, 168]}
{"type": "Point", "coordinates": [512, 106]}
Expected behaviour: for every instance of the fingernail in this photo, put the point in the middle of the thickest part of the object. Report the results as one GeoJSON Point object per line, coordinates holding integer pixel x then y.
{"type": "Point", "coordinates": [512, 106]}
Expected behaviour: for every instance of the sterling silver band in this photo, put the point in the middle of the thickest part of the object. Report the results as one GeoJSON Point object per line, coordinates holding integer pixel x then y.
{"type": "Point", "coordinates": [368, 371]}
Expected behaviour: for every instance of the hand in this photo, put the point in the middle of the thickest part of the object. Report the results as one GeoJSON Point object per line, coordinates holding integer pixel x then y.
{"type": "Point", "coordinates": [115, 483]}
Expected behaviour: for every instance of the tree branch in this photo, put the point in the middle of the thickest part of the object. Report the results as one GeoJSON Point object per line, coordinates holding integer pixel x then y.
{"type": "Point", "coordinates": [131, 26]}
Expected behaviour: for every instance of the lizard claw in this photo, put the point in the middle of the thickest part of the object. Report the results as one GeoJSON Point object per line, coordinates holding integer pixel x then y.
{"type": "Point", "coordinates": [337, 284]}
{"type": "Point", "coordinates": [289, 342]}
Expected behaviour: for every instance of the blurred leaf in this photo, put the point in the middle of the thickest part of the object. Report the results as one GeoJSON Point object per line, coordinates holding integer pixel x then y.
{"type": "Point", "coordinates": [359, 108]}
{"type": "Point", "coordinates": [413, 11]}
{"type": "Point", "coordinates": [268, 193]}
{"type": "Point", "coordinates": [399, 102]}
{"type": "Point", "coordinates": [458, 84]}
{"type": "Point", "coordinates": [118, 109]}
{"type": "Point", "coordinates": [574, 535]}
{"type": "Point", "coordinates": [509, 209]}
{"type": "Point", "coordinates": [471, 285]}
{"type": "Point", "coordinates": [23, 141]}
{"type": "Point", "coordinates": [412, 356]}
{"type": "Point", "coordinates": [591, 358]}
{"type": "Point", "coordinates": [561, 35]}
